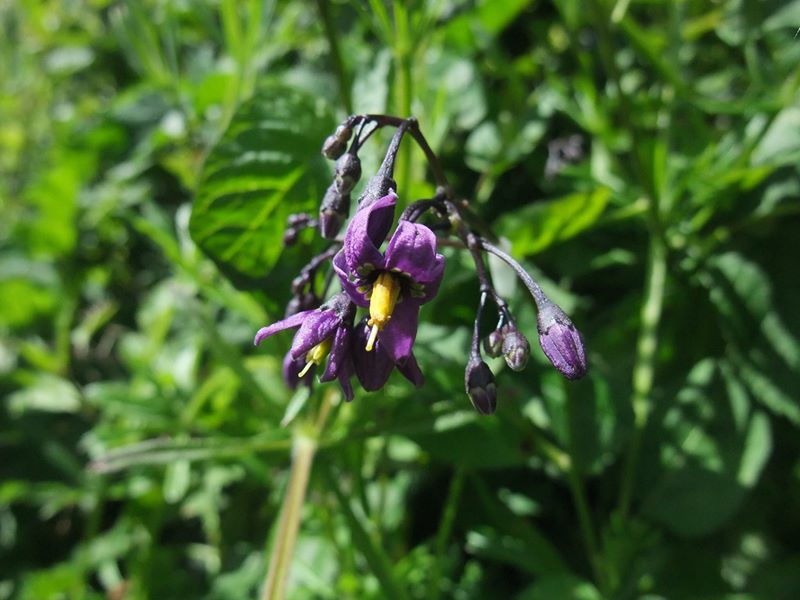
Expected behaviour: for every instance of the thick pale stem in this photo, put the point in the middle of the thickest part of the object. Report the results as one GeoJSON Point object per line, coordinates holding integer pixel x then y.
{"type": "Point", "coordinates": [303, 451]}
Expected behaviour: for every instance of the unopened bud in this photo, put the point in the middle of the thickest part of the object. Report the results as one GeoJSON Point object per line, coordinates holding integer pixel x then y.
{"type": "Point", "coordinates": [289, 236]}
{"type": "Point", "coordinates": [333, 212]}
{"type": "Point", "coordinates": [516, 349]}
{"type": "Point", "coordinates": [480, 386]}
{"type": "Point", "coordinates": [348, 172]}
{"type": "Point", "coordinates": [493, 343]}
{"type": "Point", "coordinates": [332, 148]}
{"type": "Point", "coordinates": [335, 145]}
{"type": "Point", "coordinates": [560, 341]}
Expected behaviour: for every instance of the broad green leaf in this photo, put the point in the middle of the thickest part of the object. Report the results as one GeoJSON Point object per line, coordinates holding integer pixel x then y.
{"type": "Point", "coordinates": [266, 166]}
{"type": "Point", "coordinates": [543, 224]}
{"type": "Point", "coordinates": [694, 501]}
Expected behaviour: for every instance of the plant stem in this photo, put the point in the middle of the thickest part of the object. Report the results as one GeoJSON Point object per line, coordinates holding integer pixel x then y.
{"type": "Point", "coordinates": [445, 529]}
{"type": "Point", "coordinates": [304, 446]}
{"type": "Point", "coordinates": [644, 365]}
{"type": "Point", "coordinates": [289, 524]}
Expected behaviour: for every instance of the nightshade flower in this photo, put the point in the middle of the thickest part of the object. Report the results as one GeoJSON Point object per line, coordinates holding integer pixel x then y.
{"type": "Point", "coordinates": [395, 284]}
{"type": "Point", "coordinates": [374, 367]}
{"type": "Point", "coordinates": [324, 331]}
{"type": "Point", "coordinates": [561, 341]}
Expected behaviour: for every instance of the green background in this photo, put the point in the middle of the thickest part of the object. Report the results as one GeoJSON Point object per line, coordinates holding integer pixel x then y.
{"type": "Point", "coordinates": [150, 153]}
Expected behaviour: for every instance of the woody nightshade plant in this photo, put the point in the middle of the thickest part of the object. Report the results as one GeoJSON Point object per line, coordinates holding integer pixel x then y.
{"type": "Point", "coordinates": [392, 283]}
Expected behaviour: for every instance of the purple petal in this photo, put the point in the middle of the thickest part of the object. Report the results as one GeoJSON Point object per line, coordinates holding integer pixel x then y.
{"type": "Point", "coordinates": [398, 336]}
{"type": "Point", "coordinates": [291, 371]}
{"type": "Point", "coordinates": [561, 341]}
{"type": "Point", "coordinates": [372, 368]}
{"type": "Point", "coordinates": [339, 356]}
{"type": "Point", "coordinates": [412, 251]}
{"type": "Point", "coordinates": [293, 321]}
{"type": "Point", "coordinates": [411, 371]}
{"type": "Point", "coordinates": [315, 328]}
{"type": "Point", "coordinates": [350, 281]}
{"type": "Point", "coordinates": [366, 233]}
{"type": "Point", "coordinates": [347, 388]}
{"type": "Point", "coordinates": [563, 346]}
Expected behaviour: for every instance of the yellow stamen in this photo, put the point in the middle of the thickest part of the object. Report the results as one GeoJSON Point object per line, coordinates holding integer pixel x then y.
{"type": "Point", "coordinates": [373, 335]}
{"type": "Point", "coordinates": [316, 355]}
{"type": "Point", "coordinates": [385, 292]}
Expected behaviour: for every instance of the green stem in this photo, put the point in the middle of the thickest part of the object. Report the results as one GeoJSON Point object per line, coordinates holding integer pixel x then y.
{"type": "Point", "coordinates": [403, 82]}
{"type": "Point", "coordinates": [644, 365]}
{"type": "Point", "coordinates": [289, 525]}
{"type": "Point", "coordinates": [445, 529]}
{"type": "Point", "coordinates": [304, 446]}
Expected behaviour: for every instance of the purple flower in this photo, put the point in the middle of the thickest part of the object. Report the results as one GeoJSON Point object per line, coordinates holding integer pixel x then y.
{"type": "Point", "coordinates": [560, 341]}
{"type": "Point", "coordinates": [393, 284]}
{"type": "Point", "coordinates": [324, 331]}
{"type": "Point", "coordinates": [374, 367]}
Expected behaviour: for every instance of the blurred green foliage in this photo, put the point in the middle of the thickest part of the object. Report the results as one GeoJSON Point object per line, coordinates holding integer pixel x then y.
{"type": "Point", "coordinates": [149, 154]}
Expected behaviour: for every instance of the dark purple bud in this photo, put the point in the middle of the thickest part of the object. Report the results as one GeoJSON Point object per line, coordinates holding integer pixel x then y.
{"type": "Point", "coordinates": [493, 343]}
{"type": "Point", "coordinates": [561, 342]}
{"type": "Point", "coordinates": [336, 144]}
{"type": "Point", "coordinates": [516, 349]}
{"type": "Point", "coordinates": [298, 219]}
{"type": "Point", "coordinates": [348, 172]}
{"type": "Point", "coordinates": [289, 236]}
{"type": "Point", "coordinates": [479, 383]}
{"type": "Point", "coordinates": [333, 212]}
{"type": "Point", "coordinates": [333, 148]}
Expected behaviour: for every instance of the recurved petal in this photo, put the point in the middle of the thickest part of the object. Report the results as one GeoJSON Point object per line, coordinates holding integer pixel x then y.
{"type": "Point", "coordinates": [372, 368]}
{"type": "Point", "coordinates": [314, 329]}
{"type": "Point", "coordinates": [398, 336]}
{"type": "Point", "coordinates": [366, 232]}
{"type": "Point", "coordinates": [355, 286]}
{"type": "Point", "coordinates": [340, 355]}
{"type": "Point", "coordinates": [412, 250]}
{"type": "Point", "coordinates": [347, 388]}
{"type": "Point", "coordinates": [411, 371]}
{"type": "Point", "coordinates": [293, 321]}
{"type": "Point", "coordinates": [291, 371]}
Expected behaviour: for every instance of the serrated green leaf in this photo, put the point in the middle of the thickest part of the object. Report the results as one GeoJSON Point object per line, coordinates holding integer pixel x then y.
{"type": "Point", "coordinates": [266, 166]}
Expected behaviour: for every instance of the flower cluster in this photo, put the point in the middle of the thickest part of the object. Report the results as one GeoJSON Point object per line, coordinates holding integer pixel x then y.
{"type": "Point", "coordinates": [392, 284]}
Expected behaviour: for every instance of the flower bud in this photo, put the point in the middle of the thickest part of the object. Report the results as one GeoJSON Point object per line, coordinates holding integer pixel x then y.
{"type": "Point", "coordinates": [479, 383]}
{"type": "Point", "coordinates": [493, 343]}
{"type": "Point", "coordinates": [335, 145]}
{"type": "Point", "coordinates": [348, 172]}
{"type": "Point", "coordinates": [333, 148]}
{"type": "Point", "coordinates": [333, 212]}
{"type": "Point", "coordinates": [516, 349]}
{"type": "Point", "coordinates": [289, 236]}
{"type": "Point", "coordinates": [560, 341]}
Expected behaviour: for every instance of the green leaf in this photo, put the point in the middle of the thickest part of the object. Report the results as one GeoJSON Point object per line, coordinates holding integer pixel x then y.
{"type": "Point", "coordinates": [46, 393]}
{"type": "Point", "coordinates": [694, 501]}
{"type": "Point", "coordinates": [543, 224]}
{"type": "Point", "coordinates": [266, 166]}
